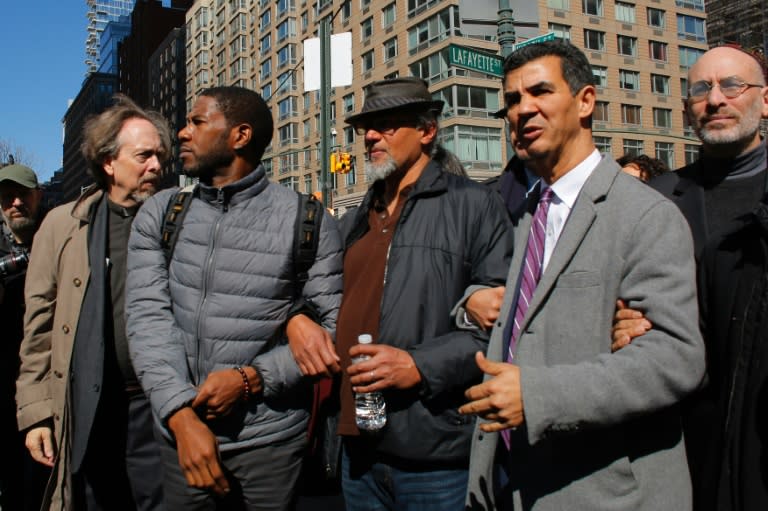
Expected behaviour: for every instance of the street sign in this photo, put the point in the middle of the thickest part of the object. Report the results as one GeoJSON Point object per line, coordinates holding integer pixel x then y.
{"type": "Point", "coordinates": [474, 60]}
{"type": "Point", "coordinates": [550, 36]}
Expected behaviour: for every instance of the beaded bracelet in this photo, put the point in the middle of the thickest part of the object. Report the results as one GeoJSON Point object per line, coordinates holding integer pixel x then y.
{"type": "Point", "coordinates": [246, 383]}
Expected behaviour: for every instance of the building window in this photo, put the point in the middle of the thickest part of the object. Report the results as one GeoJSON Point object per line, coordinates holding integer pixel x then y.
{"type": "Point", "coordinates": [291, 182]}
{"type": "Point", "coordinates": [592, 7]}
{"type": "Point", "coordinates": [266, 91]}
{"type": "Point", "coordinates": [627, 45]}
{"type": "Point", "coordinates": [473, 143]}
{"type": "Point", "coordinates": [266, 69]}
{"type": "Point", "coordinates": [561, 31]}
{"type": "Point", "coordinates": [265, 20]}
{"type": "Point", "coordinates": [468, 100]}
{"type": "Point", "coordinates": [349, 135]}
{"type": "Point", "coordinates": [601, 114]}
{"type": "Point", "coordinates": [367, 61]}
{"type": "Point", "coordinates": [434, 29]}
{"type": "Point", "coordinates": [305, 20]}
{"type": "Point", "coordinates": [288, 134]}
{"type": "Point", "coordinates": [349, 103]}
{"type": "Point", "coordinates": [632, 147]}
{"type": "Point", "coordinates": [630, 114]}
{"type": "Point", "coordinates": [364, 4]}
{"type": "Point", "coordinates": [603, 144]}
{"type": "Point", "coordinates": [594, 40]}
{"type": "Point", "coordinates": [563, 5]}
{"type": "Point", "coordinates": [366, 29]}
{"type": "Point", "coordinates": [307, 128]}
{"type": "Point", "coordinates": [655, 18]}
{"type": "Point", "coordinates": [346, 10]}
{"type": "Point", "coordinates": [665, 151]}
{"type": "Point", "coordinates": [307, 182]}
{"type": "Point", "coordinates": [350, 177]}
{"type": "Point", "coordinates": [660, 84]}
{"type": "Point", "coordinates": [689, 56]}
{"type": "Point", "coordinates": [691, 153]}
{"type": "Point", "coordinates": [388, 14]}
{"type": "Point", "coordinates": [625, 12]}
{"type": "Point", "coordinates": [697, 5]}
{"type": "Point", "coordinates": [601, 76]}
{"type": "Point", "coordinates": [286, 55]}
{"type": "Point", "coordinates": [284, 6]}
{"type": "Point", "coordinates": [657, 51]}
{"type": "Point", "coordinates": [286, 29]}
{"type": "Point", "coordinates": [390, 49]}
{"type": "Point", "coordinates": [432, 68]}
{"type": "Point", "coordinates": [691, 28]}
{"type": "Point", "coordinates": [286, 108]}
{"type": "Point", "coordinates": [662, 118]}
{"type": "Point", "coordinates": [265, 44]}
{"type": "Point", "coordinates": [629, 80]}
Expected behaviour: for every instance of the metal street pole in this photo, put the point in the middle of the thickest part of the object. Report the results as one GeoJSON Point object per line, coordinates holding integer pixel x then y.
{"type": "Point", "coordinates": [506, 30]}
{"type": "Point", "coordinates": [325, 107]}
{"type": "Point", "coordinates": [507, 38]}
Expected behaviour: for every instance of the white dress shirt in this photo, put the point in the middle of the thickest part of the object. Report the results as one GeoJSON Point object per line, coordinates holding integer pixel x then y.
{"type": "Point", "coordinates": [565, 191]}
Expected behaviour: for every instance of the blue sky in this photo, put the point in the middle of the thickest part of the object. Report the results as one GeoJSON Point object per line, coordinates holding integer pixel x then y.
{"type": "Point", "coordinates": [41, 68]}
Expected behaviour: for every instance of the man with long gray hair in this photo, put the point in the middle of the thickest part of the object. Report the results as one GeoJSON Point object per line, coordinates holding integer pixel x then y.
{"type": "Point", "coordinates": [78, 396]}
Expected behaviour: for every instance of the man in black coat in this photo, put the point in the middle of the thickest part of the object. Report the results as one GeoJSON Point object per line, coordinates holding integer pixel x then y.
{"type": "Point", "coordinates": [727, 98]}
{"type": "Point", "coordinates": [22, 481]}
{"type": "Point", "coordinates": [733, 283]}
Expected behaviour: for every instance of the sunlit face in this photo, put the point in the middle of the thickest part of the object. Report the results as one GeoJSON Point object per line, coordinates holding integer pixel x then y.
{"type": "Point", "coordinates": [20, 205]}
{"type": "Point", "coordinates": [205, 140]}
{"type": "Point", "coordinates": [720, 121]}
{"type": "Point", "coordinates": [544, 117]}
{"type": "Point", "coordinates": [393, 143]}
{"type": "Point", "coordinates": [135, 171]}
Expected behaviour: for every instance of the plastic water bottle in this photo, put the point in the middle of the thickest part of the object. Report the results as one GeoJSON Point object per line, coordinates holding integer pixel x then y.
{"type": "Point", "coordinates": [370, 408]}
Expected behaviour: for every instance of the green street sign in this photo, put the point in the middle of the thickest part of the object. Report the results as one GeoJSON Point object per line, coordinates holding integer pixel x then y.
{"type": "Point", "coordinates": [550, 36]}
{"type": "Point", "coordinates": [474, 60]}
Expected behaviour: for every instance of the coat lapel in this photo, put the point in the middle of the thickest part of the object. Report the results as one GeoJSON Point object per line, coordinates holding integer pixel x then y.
{"type": "Point", "coordinates": [576, 227]}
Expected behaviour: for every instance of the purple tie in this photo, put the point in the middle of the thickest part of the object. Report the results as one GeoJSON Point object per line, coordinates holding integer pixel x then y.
{"type": "Point", "coordinates": [534, 261]}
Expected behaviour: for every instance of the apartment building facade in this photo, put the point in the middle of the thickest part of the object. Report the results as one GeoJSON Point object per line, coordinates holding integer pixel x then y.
{"type": "Point", "coordinates": [640, 51]}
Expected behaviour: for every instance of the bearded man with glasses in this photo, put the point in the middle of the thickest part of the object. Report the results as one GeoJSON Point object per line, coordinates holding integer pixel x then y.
{"type": "Point", "coordinates": [727, 98]}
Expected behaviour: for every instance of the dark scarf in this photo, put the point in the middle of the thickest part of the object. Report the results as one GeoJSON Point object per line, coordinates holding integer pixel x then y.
{"type": "Point", "coordinates": [87, 368]}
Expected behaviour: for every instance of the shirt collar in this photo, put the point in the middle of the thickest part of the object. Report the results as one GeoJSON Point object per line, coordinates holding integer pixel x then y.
{"type": "Point", "coordinates": [567, 188]}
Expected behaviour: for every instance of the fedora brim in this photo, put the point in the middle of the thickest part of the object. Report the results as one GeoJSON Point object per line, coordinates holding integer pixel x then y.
{"type": "Point", "coordinates": [500, 114]}
{"type": "Point", "coordinates": [376, 110]}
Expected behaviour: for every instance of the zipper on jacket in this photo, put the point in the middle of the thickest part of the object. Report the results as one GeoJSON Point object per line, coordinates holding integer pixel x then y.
{"type": "Point", "coordinates": [220, 200]}
{"type": "Point", "coordinates": [207, 277]}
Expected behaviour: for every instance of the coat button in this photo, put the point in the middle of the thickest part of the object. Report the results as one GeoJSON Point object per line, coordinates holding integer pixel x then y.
{"type": "Point", "coordinates": [77, 282]}
{"type": "Point", "coordinates": [57, 374]}
{"type": "Point", "coordinates": [56, 417]}
{"type": "Point", "coordinates": [65, 329]}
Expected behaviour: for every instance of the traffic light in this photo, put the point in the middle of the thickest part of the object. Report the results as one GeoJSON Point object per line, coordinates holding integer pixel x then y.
{"type": "Point", "coordinates": [346, 163]}
{"type": "Point", "coordinates": [335, 162]}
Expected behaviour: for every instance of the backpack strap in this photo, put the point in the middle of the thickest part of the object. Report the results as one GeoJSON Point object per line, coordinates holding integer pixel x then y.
{"type": "Point", "coordinates": [174, 219]}
{"type": "Point", "coordinates": [306, 239]}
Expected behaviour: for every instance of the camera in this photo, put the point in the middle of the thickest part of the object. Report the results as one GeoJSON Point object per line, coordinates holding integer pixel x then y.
{"type": "Point", "coordinates": [13, 263]}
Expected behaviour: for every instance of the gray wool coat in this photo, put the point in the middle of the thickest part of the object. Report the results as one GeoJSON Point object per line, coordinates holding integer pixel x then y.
{"type": "Point", "coordinates": [602, 430]}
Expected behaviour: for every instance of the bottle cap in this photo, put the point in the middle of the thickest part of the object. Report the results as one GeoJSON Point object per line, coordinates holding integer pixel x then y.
{"type": "Point", "coordinates": [364, 339]}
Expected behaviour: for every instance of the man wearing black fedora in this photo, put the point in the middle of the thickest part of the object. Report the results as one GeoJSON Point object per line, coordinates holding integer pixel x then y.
{"type": "Point", "coordinates": [420, 237]}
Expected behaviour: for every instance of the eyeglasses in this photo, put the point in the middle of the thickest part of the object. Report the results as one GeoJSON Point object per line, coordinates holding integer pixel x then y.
{"type": "Point", "coordinates": [384, 125]}
{"type": "Point", "coordinates": [731, 87]}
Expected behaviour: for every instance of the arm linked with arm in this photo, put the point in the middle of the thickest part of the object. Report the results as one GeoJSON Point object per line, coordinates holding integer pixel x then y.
{"type": "Point", "coordinates": [657, 369]}
{"type": "Point", "coordinates": [154, 339]}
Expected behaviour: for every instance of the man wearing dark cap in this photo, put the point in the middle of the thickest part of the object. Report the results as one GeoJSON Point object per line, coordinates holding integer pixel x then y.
{"type": "Point", "coordinates": [420, 237]}
{"type": "Point", "coordinates": [20, 199]}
